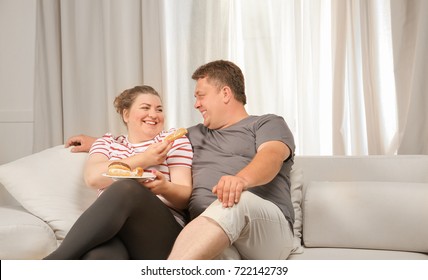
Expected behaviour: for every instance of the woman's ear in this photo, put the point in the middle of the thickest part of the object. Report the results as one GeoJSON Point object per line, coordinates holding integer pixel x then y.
{"type": "Point", "coordinates": [125, 115]}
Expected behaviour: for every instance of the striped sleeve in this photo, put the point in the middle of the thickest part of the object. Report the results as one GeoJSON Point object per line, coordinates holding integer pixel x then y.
{"type": "Point", "coordinates": [181, 153]}
{"type": "Point", "coordinates": [102, 145]}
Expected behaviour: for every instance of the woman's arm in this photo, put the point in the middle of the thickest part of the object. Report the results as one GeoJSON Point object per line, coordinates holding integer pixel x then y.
{"type": "Point", "coordinates": [95, 166]}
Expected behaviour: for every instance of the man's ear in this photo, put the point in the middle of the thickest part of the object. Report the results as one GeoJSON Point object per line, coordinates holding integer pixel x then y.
{"type": "Point", "coordinates": [227, 94]}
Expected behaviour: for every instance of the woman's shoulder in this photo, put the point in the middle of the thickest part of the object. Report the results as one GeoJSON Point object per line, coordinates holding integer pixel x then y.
{"type": "Point", "coordinates": [110, 138]}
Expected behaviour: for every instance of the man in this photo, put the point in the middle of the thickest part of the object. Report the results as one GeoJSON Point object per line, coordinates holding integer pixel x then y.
{"type": "Point", "coordinates": [241, 174]}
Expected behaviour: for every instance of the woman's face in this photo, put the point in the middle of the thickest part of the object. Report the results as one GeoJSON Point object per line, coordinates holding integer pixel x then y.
{"type": "Point", "coordinates": [145, 118]}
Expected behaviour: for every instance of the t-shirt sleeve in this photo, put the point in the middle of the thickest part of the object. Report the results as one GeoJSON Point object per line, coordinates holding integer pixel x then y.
{"type": "Point", "coordinates": [102, 145]}
{"type": "Point", "coordinates": [272, 127]}
{"type": "Point", "coordinates": [181, 153]}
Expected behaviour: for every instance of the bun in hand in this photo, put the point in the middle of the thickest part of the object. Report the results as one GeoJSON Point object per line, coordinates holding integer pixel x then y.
{"type": "Point", "coordinates": [176, 134]}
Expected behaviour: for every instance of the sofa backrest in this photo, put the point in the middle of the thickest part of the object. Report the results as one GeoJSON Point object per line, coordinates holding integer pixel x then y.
{"type": "Point", "coordinates": [402, 168]}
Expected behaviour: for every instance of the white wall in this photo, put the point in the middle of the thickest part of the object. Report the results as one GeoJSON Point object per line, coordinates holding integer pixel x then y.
{"type": "Point", "coordinates": [17, 50]}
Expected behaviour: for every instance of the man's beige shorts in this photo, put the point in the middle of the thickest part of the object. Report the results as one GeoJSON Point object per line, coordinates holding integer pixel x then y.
{"type": "Point", "coordinates": [256, 228]}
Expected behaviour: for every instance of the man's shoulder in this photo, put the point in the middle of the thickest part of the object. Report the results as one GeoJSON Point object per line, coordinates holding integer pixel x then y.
{"type": "Point", "coordinates": [194, 126]}
{"type": "Point", "coordinates": [196, 132]}
{"type": "Point", "coordinates": [270, 116]}
{"type": "Point", "coordinates": [267, 119]}
{"type": "Point", "coordinates": [197, 127]}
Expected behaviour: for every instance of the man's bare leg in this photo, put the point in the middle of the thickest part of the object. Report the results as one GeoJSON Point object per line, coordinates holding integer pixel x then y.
{"type": "Point", "coordinates": [201, 239]}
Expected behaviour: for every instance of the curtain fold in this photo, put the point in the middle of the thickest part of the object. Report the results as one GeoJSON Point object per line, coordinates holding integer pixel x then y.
{"type": "Point", "coordinates": [410, 45]}
{"type": "Point", "coordinates": [339, 17]}
{"type": "Point", "coordinates": [48, 111]}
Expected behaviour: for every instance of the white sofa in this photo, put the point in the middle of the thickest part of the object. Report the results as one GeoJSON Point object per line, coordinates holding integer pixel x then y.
{"type": "Point", "coordinates": [370, 207]}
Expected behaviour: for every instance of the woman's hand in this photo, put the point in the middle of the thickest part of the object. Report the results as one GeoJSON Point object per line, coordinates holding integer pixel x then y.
{"type": "Point", "coordinates": [156, 153]}
{"type": "Point", "coordinates": [158, 185]}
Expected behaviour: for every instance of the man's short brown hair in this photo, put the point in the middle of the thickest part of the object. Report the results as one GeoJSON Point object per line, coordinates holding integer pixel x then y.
{"type": "Point", "coordinates": [223, 73]}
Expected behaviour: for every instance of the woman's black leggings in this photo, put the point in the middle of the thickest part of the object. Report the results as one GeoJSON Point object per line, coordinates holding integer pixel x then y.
{"type": "Point", "coordinates": [126, 222]}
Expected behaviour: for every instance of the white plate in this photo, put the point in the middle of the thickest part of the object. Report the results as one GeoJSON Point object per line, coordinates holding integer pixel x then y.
{"type": "Point", "coordinates": [146, 175]}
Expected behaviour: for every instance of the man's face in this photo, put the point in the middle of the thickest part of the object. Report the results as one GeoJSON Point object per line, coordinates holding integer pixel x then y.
{"type": "Point", "coordinates": [209, 102]}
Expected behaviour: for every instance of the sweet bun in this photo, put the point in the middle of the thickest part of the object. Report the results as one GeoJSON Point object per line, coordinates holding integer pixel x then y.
{"type": "Point", "coordinates": [176, 134]}
{"type": "Point", "coordinates": [138, 171]}
{"type": "Point", "coordinates": [120, 169]}
{"type": "Point", "coordinates": [117, 168]}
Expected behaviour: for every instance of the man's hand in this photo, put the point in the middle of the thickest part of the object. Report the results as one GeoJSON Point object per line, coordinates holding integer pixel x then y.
{"type": "Point", "coordinates": [81, 143]}
{"type": "Point", "coordinates": [229, 189]}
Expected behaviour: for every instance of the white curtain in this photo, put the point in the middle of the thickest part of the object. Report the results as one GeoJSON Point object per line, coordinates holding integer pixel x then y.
{"type": "Point", "coordinates": [331, 68]}
{"type": "Point", "coordinates": [410, 38]}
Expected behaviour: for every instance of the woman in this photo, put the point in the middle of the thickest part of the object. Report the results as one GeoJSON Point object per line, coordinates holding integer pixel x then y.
{"type": "Point", "coordinates": [133, 219]}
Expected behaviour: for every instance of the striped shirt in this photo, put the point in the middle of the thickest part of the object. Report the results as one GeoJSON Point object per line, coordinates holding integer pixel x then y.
{"type": "Point", "coordinates": [119, 147]}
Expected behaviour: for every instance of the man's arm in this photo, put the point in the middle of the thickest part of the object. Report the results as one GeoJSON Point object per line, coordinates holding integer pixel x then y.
{"type": "Point", "coordinates": [261, 170]}
{"type": "Point", "coordinates": [81, 143]}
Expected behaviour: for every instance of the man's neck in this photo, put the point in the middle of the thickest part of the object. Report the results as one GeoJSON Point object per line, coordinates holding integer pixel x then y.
{"type": "Point", "coordinates": [236, 116]}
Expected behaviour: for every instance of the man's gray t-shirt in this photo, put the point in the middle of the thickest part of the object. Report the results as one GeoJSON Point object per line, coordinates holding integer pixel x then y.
{"type": "Point", "coordinates": [227, 151]}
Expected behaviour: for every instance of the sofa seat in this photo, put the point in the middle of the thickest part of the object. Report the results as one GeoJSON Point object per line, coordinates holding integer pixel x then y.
{"type": "Point", "coordinates": [356, 254]}
{"type": "Point", "coordinates": [23, 235]}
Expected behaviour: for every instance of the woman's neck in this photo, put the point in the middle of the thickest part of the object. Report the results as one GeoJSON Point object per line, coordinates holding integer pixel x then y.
{"type": "Point", "coordinates": [135, 139]}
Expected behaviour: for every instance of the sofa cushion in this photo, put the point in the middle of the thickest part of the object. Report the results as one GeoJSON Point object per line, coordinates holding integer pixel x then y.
{"type": "Point", "coordinates": [6, 199]}
{"type": "Point", "coordinates": [50, 185]}
{"type": "Point", "coordinates": [373, 215]}
{"type": "Point", "coordinates": [24, 236]}
{"type": "Point", "coordinates": [296, 190]}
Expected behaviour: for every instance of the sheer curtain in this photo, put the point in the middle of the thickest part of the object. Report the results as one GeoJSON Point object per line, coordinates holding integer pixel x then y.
{"type": "Point", "coordinates": [364, 105]}
{"type": "Point", "coordinates": [410, 38]}
{"type": "Point", "coordinates": [328, 67]}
